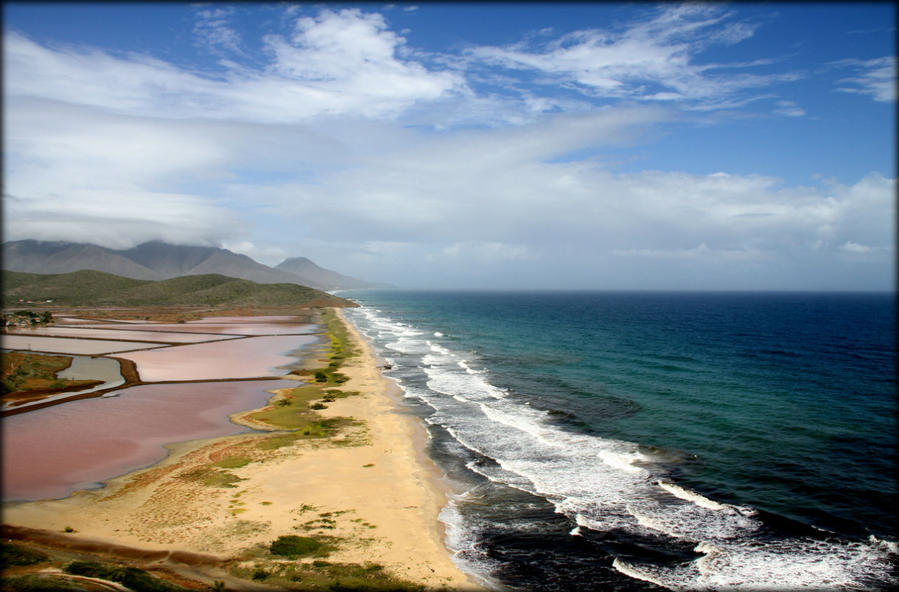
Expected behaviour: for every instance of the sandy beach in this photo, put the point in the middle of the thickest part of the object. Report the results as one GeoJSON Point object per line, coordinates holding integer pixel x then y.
{"type": "Point", "coordinates": [370, 490]}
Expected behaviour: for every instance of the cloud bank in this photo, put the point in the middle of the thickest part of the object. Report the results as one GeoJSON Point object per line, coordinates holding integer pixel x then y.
{"type": "Point", "coordinates": [320, 150]}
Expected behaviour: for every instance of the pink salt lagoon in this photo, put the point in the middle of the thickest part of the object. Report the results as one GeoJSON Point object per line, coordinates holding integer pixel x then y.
{"type": "Point", "coordinates": [51, 452]}
{"type": "Point", "coordinates": [126, 333]}
{"type": "Point", "coordinates": [270, 325]}
{"type": "Point", "coordinates": [65, 345]}
{"type": "Point", "coordinates": [249, 357]}
{"type": "Point", "coordinates": [222, 329]}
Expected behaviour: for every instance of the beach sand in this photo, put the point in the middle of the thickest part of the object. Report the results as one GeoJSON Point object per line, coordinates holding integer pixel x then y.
{"type": "Point", "coordinates": [371, 487]}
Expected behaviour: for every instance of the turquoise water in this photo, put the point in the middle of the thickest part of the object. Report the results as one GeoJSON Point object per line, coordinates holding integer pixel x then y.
{"type": "Point", "coordinates": [680, 440]}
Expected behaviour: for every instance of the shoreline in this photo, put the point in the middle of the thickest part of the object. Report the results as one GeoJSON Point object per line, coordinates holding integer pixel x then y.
{"type": "Point", "coordinates": [436, 478]}
{"type": "Point", "coordinates": [371, 489]}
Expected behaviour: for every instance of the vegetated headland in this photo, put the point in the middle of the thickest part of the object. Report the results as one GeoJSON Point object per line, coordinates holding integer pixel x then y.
{"type": "Point", "coordinates": [324, 487]}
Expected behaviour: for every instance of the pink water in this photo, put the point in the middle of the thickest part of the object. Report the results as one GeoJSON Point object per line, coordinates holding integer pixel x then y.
{"type": "Point", "coordinates": [122, 333]}
{"type": "Point", "coordinates": [271, 325]}
{"type": "Point", "coordinates": [51, 452]}
{"type": "Point", "coordinates": [64, 345]}
{"type": "Point", "coordinates": [251, 357]}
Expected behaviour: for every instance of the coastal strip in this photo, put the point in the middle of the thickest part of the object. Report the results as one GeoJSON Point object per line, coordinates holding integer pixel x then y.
{"type": "Point", "coordinates": [353, 486]}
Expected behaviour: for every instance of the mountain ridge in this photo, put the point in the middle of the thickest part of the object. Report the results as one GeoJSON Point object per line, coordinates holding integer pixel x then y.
{"type": "Point", "coordinates": [157, 260]}
{"type": "Point", "coordinates": [97, 288]}
{"type": "Point", "coordinates": [305, 267]}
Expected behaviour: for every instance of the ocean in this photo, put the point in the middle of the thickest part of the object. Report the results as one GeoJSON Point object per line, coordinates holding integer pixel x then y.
{"type": "Point", "coordinates": [651, 441]}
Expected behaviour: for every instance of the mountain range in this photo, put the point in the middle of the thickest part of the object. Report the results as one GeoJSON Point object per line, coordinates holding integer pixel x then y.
{"type": "Point", "coordinates": [97, 288]}
{"type": "Point", "coordinates": [157, 260]}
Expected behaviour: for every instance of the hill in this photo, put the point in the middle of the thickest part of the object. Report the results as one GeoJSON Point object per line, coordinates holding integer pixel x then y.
{"type": "Point", "coordinates": [156, 260]}
{"type": "Point", "coordinates": [327, 279]}
{"type": "Point", "coordinates": [96, 288]}
{"type": "Point", "coordinates": [62, 257]}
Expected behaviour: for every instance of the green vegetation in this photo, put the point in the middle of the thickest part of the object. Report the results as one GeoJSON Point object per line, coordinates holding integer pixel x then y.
{"type": "Point", "coordinates": [285, 564]}
{"type": "Point", "coordinates": [296, 410]}
{"type": "Point", "coordinates": [28, 318]}
{"type": "Point", "coordinates": [322, 576]}
{"type": "Point", "coordinates": [39, 583]}
{"type": "Point", "coordinates": [14, 555]}
{"type": "Point", "coordinates": [233, 462]}
{"type": "Point", "coordinates": [130, 577]}
{"type": "Point", "coordinates": [212, 477]}
{"type": "Point", "coordinates": [24, 372]}
{"type": "Point", "coordinates": [293, 546]}
{"type": "Point", "coordinates": [95, 288]}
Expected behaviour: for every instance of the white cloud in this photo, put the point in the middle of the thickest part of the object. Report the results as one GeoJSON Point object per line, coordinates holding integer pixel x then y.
{"type": "Point", "coordinates": [494, 195]}
{"type": "Point", "coordinates": [649, 60]}
{"type": "Point", "coordinates": [875, 77]}
{"type": "Point", "coordinates": [213, 31]}
{"type": "Point", "coordinates": [336, 64]}
{"type": "Point", "coordinates": [852, 247]}
{"type": "Point", "coordinates": [789, 109]}
{"type": "Point", "coordinates": [268, 254]}
{"type": "Point", "coordinates": [699, 252]}
{"type": "Point", "coordinates": [480, 252]}
{"type": "Point", "coordinates": [118, 219]}
{"type": "Point", "coordinates": [320, 153]}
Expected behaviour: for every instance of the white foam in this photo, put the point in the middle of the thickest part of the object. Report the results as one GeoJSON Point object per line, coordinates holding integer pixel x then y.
{"type": "Point", "coordinates": [632, 571]}
{"type": "Point", "coordinates": [690, 496]}
{"type": "Point", "coordinates": [438, 334]}
{"type": "Point", "coordinates": [438, 348]}
{"type": "Point", "coordinates": [608, 484]}
{"type": "Point", "coordinates": [468, 369]}
{"type": "Point", "coordinates": [889, 546]}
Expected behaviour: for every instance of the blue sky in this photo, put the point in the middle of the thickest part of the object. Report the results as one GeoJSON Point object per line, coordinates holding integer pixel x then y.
{"type": "Point", "coordinates": [622, 146]}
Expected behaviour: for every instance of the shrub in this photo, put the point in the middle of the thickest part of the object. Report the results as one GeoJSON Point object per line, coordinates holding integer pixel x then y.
{"type": "Point", "coordinates": [11, 555]}
{"type": "Point", "coordinates": [294, 546]}
{"type": "Point", "coordinates": [130, 577]}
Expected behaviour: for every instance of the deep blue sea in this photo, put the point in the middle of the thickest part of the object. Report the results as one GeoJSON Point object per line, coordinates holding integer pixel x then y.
{"type": "Point", "coordinates": [646, 441]}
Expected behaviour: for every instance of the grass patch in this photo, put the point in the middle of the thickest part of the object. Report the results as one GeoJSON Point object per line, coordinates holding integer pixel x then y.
{"type": "Point", "coordinates": [130, 577]}
{"type": "Point", "coordinates": [233, 462]}
{"type": "Point", "coordinates": [279, 441]}
{"type": "Point", "coordinates": [39, 583]}
{"type": "Point", "coordinates": [321, 576]}
{"type": "Point", "coordinates": [211, 477]}
{"type": "Point", "coordinates": [296, 410]}
{"type": "Point", "coordinates": [322, 428]}
{"type": "Point", "coordinates": [293, 546]}
{"type": "Point", "coordinates": [24, 372]}
{"type": "Point", "coordinates": [13, 555]}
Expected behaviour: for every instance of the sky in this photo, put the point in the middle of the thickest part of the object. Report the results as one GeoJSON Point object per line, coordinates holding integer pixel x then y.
{"type": "Point", "coordinates": [486, 146]}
